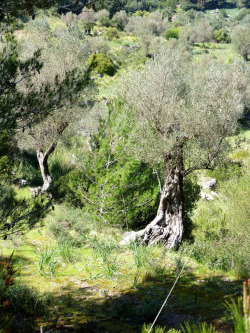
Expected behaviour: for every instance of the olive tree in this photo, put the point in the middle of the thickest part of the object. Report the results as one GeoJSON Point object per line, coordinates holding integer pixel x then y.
{"type": "Point", "coordinates": [241, 40]}
{"type": "Point", "coordinates": [57, 105]}
{"type": "Point", "coordinates": [182, 120]}
{"type": "Point", "coordinates": [201, 32]}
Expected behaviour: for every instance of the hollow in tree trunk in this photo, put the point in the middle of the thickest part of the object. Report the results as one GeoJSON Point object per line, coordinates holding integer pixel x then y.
{"type": "Point", "coordinates": [167, 227]}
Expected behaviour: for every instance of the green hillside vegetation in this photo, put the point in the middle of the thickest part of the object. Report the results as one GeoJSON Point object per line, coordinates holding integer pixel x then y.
{"type": "Point", "coordinates": [112, 116]}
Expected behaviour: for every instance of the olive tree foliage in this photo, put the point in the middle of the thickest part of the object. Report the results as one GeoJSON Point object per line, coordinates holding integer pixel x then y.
{"type": "Point", "coordinates": [153, 24]}
{"type": "Point", "coordinates": [65, 75]}
{"type": "Point", "coordinates": [241, 40]}
{"type": "Point", "coordinates": [88, 15]}
{"type": "Point", "coordinates": [18, 110]}
{"type": "Point", "coordinates": [180, 116]}
{"type": "Point", "coordinates": [62, 50]}
{"type": "Point", "coordinates": [201, 32]}
{"type": "Point", "coordinates": [122, 15]}
{"type": "Point", "coordinates": [69, 18]}
{"type": "Point", "coordinates": [98, 45]}
{"type": "Point", "coordinates": [66, 99]}
{"type": "Point", "coordinates": [147, 29]}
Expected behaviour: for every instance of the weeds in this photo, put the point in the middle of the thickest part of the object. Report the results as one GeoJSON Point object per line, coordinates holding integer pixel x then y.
{"type": "Point", "coordinates": [201, 328]}
{"type": "Point", "coordinates": [67, 250]}
{"type": "Point", "coordinates": [136, 280]}
{"type": "Point", "coordinates": [47, 262]}
{"type": "Point", "coordinates": [156, 329]}
{"type": "Point", "coordinates": [179, 264]}
{"type": "Point", "coordinates": [70, 301]}
{"type": "Point", "coordinates": [141, 254]}
{"type": "Point", "coordinates": [102, 249]}
{"type": "Point", "coordinates": [241, 310]}
{"type": "Point", "coordinates": [111, 268]}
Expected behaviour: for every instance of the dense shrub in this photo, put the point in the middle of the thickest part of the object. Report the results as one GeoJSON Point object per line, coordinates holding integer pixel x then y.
{"type": "Point", "coordinates": [112, 33]}
{"type": "Point", "coordinates": [120, 19]}
{"type": "Point", "coordinates": [222, 234]}
{"type": "Point", "coordinates": [104, 21]}
{"type": "Point", "coordinates": [69, 226]}
{"type": "Point", "coordinates": [102, 64]}
{"type": "Point", "coordinates": [221, 36]}
{"type": "Point", "coordinates": [173, 33]}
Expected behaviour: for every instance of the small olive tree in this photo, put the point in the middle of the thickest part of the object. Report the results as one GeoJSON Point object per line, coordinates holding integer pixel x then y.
{"type": "Point", "coordinates": [201, 32]}
{"type": "Point", "coordinates": [241, 40]}
{"type": "Point", "coordinates": [56, 106]}
{"type": "Point", "coordinates": [181, 120]}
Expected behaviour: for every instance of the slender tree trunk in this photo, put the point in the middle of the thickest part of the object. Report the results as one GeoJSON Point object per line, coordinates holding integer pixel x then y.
{"type": "Point", "coordinates": [167, 227]}
{"type": "Point", "coordinates": [245, 57]}
{"type": "Point", "coordinates": [43, 163]}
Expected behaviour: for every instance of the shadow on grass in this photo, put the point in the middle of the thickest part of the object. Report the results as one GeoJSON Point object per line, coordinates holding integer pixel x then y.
{"type": "Point", "coordinates": [194, 300]}
{"type": "Point", "coordinates": [18, 260]}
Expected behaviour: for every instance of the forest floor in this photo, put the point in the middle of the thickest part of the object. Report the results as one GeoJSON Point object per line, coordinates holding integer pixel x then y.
{"type": "Point", "coordinates": [101, 286]}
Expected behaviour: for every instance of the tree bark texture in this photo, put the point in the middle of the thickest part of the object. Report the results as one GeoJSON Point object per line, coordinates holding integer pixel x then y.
{"type": "Point", "coordinates": [167, 227]}
{"type": "Point", "coordinates": [43, 163]}
{"type": "Point", "coordinates": [245, 57]}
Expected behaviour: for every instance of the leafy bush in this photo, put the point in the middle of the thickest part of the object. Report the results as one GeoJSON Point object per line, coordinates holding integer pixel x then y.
{"type": "Point", "coordinates": [173, 33]}
{"type": "Point", "coordinates": [221, 36]}
{"type": "Point", "coordinates": [69, 226]}
{"type": "Point", "coordinates": [117, 22]}
{"type": "Point", "coordinates": [222, 228]}
{"type": "Point", "coordinates": [102, 64]}
{"type": "Point", "coordinates": [227, 170]}
{"type": "Point", "coordinates": [112, 33]}
{"type": "Point", "coordinates": [104, 21]}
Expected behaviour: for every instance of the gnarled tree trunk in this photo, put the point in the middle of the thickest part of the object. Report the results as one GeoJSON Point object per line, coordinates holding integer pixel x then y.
{"type": "Point", "coordinates": [43, 163]}
{"type": "Point", "coordinates": [167, 227]}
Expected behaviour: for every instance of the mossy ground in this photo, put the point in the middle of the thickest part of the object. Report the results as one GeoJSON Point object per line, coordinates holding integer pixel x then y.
{"type": "Point", "coordinates": [120, 290]}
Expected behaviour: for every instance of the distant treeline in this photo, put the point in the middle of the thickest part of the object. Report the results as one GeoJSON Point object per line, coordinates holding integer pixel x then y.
{"type": "Point", "coordinates": [132, 6]}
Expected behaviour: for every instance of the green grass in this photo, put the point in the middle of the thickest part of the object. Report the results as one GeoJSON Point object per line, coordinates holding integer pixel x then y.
{"type": "Point", "coordinates": [231, 12]}
{"type": "Point", "coordinates": [114, 281]}
{"type": "Point", "coordinates": [224, 53]}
